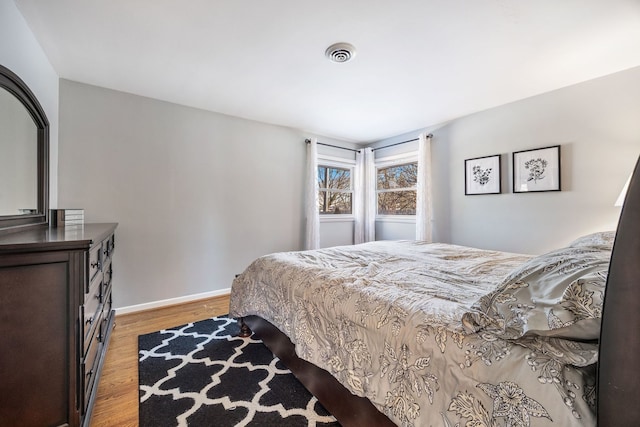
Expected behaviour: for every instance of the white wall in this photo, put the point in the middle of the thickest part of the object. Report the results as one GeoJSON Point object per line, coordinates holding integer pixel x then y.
{"type": "Point", "coordinates": [198, 195]}
{"type": "Point", "coordinates": [597, 123]}
{"type": "Point", "coordinates": [21, 53]}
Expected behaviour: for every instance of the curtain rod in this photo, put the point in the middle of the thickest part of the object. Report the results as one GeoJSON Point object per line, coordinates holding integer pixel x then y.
{"type": "Point", "coordinates": [399, 143]}
{"type": "Point", "coordinates": [334, 146]}
{"type": "Point", "coordinates": [373, 149]}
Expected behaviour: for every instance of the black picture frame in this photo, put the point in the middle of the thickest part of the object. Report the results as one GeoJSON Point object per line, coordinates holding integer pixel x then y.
{"type": "Point", "coordinates": [483, 175]}
{"type": "Point", "coordinates": [537, 170]}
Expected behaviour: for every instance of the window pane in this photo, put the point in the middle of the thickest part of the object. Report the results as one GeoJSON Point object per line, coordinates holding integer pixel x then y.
{"type": "Point", "coordinates": [334, 203]}
{"type": "Point", "coordinates": [339, 179]}
{"type": "Point", "coordinates": [339, 203]}
{"type": "Point", "coordinates": [322, 197]}
{"type": "Point", "coordinates": [335, 192]}
{"type": "Point", "coordinates": [322, 176]}
{"type": "Point", "coordinates": [397, 203]}
{"type": "Point", "coordinates": [400, 176]}
{"type": "Point", "coordinates": [334, 178]}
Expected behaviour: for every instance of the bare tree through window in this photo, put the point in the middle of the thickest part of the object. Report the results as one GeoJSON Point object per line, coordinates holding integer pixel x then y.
{"type": "Point", "coordinates": [396, 187]}
{"type": "Point", "coordinates": [335, 192]}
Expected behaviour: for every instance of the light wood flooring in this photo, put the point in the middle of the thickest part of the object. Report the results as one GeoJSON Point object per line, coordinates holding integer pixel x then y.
{"type": "Point", "coordinates": [117, 399]}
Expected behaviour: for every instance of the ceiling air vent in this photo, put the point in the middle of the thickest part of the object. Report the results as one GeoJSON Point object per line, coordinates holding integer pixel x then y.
{"type": "Point", "coordinates": [340, 52]}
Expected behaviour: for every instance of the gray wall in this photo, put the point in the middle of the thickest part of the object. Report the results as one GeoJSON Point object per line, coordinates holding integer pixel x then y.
{"type": "Point", "coordinates": [597, 123]}
{"type": "Point", "coordinates": [21, 53]}
{"type": "Point", "coordinates": [198, 195]}
{"type": "Point", "coordinates": [336, 233]}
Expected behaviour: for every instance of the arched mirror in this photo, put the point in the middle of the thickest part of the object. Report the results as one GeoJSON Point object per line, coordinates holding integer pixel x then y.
{"type": "Point", "coordinates": [24, 156]}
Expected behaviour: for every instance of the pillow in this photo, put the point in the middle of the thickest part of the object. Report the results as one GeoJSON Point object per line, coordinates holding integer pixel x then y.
{"type": "Point", "coordinates": [551, 304]}
{"type": "Point", "coordinates": [558, 294]}
{"type": "Point", "coordinates": [602, 238]}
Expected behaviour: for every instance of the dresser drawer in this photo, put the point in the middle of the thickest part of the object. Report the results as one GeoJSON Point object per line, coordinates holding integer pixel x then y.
{"type": "Point", "coordinates": [106, 314]}
{"type": "Point", "coordinates": [95, 260]}
{"type": "Point", "coordinates": [107, 300]}
{"type": "Point", "coordinates": [90, 310]}
{"type": "Point", "coordinates": [90, 364]}
{"type": "Point", "coordinates": [94, 286]}
{"type": "Point", "coordinates": [107, 247]}
{"type": "Point", "coordinates": [106, 278]}
{"type": "Point", "coordinates": [112, 244]}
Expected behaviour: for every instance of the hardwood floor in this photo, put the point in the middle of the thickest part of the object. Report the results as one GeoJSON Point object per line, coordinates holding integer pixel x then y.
{"type": "Point", "coordinates": [117, 399]}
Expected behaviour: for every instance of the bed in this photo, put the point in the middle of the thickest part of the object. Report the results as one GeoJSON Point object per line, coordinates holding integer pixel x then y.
{"type": "Point", "coordinates": [407, 333]}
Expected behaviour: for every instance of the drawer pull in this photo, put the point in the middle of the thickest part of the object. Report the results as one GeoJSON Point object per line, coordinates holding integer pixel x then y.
{"type": "Point", "coordinates": [90, 320]}
{"type": "Point", "coordinates": [95, 264]}
{"type": "Point", "coordinates": [89, 374]}
{"type": "Point", "coordinates": [109, 275]}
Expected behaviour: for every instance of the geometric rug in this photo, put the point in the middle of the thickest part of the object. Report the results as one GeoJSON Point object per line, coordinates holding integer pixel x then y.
{"type": "Point", "coordinates": [202, 374]}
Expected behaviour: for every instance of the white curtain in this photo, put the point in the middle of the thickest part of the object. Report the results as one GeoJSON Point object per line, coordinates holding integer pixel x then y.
{"type": "Point", "coordinates": [312, 215]}
{"type": "Point", "coordinates": [358, 198]}
{"type": "Point", "coordinates": [370, 197]}
{"type": "Point", "coordinates": [365, 204]}
{"type": "Point", "coordinates": [423, 203]}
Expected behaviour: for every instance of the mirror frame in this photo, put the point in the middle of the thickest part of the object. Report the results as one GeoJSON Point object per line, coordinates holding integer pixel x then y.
{"type": "Point", "coordinates": [18, 88]}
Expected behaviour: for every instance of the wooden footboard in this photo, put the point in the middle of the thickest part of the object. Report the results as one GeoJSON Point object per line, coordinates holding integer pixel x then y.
{"type": "Point", "coordinates": [349, 409]}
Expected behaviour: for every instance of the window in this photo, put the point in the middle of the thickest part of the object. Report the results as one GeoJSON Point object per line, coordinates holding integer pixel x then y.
{"type": "Point", "coordinates": [336, 190]}
{"type": "Point", "coordinates": [396, 189]}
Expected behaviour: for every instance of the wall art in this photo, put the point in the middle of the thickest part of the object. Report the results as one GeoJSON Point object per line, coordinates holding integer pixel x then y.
{"type": "Point", "coordinates": [482, 175]}
{"type": "Point", "coordinates": [536, 170]}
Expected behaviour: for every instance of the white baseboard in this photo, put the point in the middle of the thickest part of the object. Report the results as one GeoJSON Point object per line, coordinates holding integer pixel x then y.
{"type": "Point", "coordinates": [171, 301]}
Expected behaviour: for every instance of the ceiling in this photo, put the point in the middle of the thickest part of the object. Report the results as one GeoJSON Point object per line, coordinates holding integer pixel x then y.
{"type": "Point", "coordinates": [418, 62]}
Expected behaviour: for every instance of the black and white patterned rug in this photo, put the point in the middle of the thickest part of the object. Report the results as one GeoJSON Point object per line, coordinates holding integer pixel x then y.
{"type": "Point", "coordinates": [202, 374]}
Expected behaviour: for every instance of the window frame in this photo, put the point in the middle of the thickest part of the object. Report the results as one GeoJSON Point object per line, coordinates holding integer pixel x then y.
{"type": "Point", "coordinates": [389, 161]}
{"type": "Point", "coordinates": [341, 163]}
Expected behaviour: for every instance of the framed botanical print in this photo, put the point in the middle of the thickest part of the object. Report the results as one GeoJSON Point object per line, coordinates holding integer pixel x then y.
{"type": "Point", "coordinates": [482, 175]}
{"type": "Point", "coordinates": [536, 170]}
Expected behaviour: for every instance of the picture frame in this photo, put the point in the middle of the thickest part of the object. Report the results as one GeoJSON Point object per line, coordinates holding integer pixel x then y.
{"type": "Point", "coordinates": [483, 175]}
{"type": "Point", "coordinates": [537, 170]}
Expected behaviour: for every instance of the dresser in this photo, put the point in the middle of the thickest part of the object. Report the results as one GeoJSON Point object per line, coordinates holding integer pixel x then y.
{"type": "Point", "coordinates": [56, 317]}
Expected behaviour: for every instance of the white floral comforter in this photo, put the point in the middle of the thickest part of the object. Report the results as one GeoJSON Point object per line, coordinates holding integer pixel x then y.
{"type": "Point", "coordinates": [385, 318]}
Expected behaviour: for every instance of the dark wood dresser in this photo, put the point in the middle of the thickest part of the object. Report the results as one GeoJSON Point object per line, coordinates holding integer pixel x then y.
{"type": "Point", "coordinates": [56, 318]}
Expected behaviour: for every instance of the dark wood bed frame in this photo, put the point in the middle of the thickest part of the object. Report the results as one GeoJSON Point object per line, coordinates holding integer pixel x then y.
{"type": "Point", "coordinates": [618, 385]}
